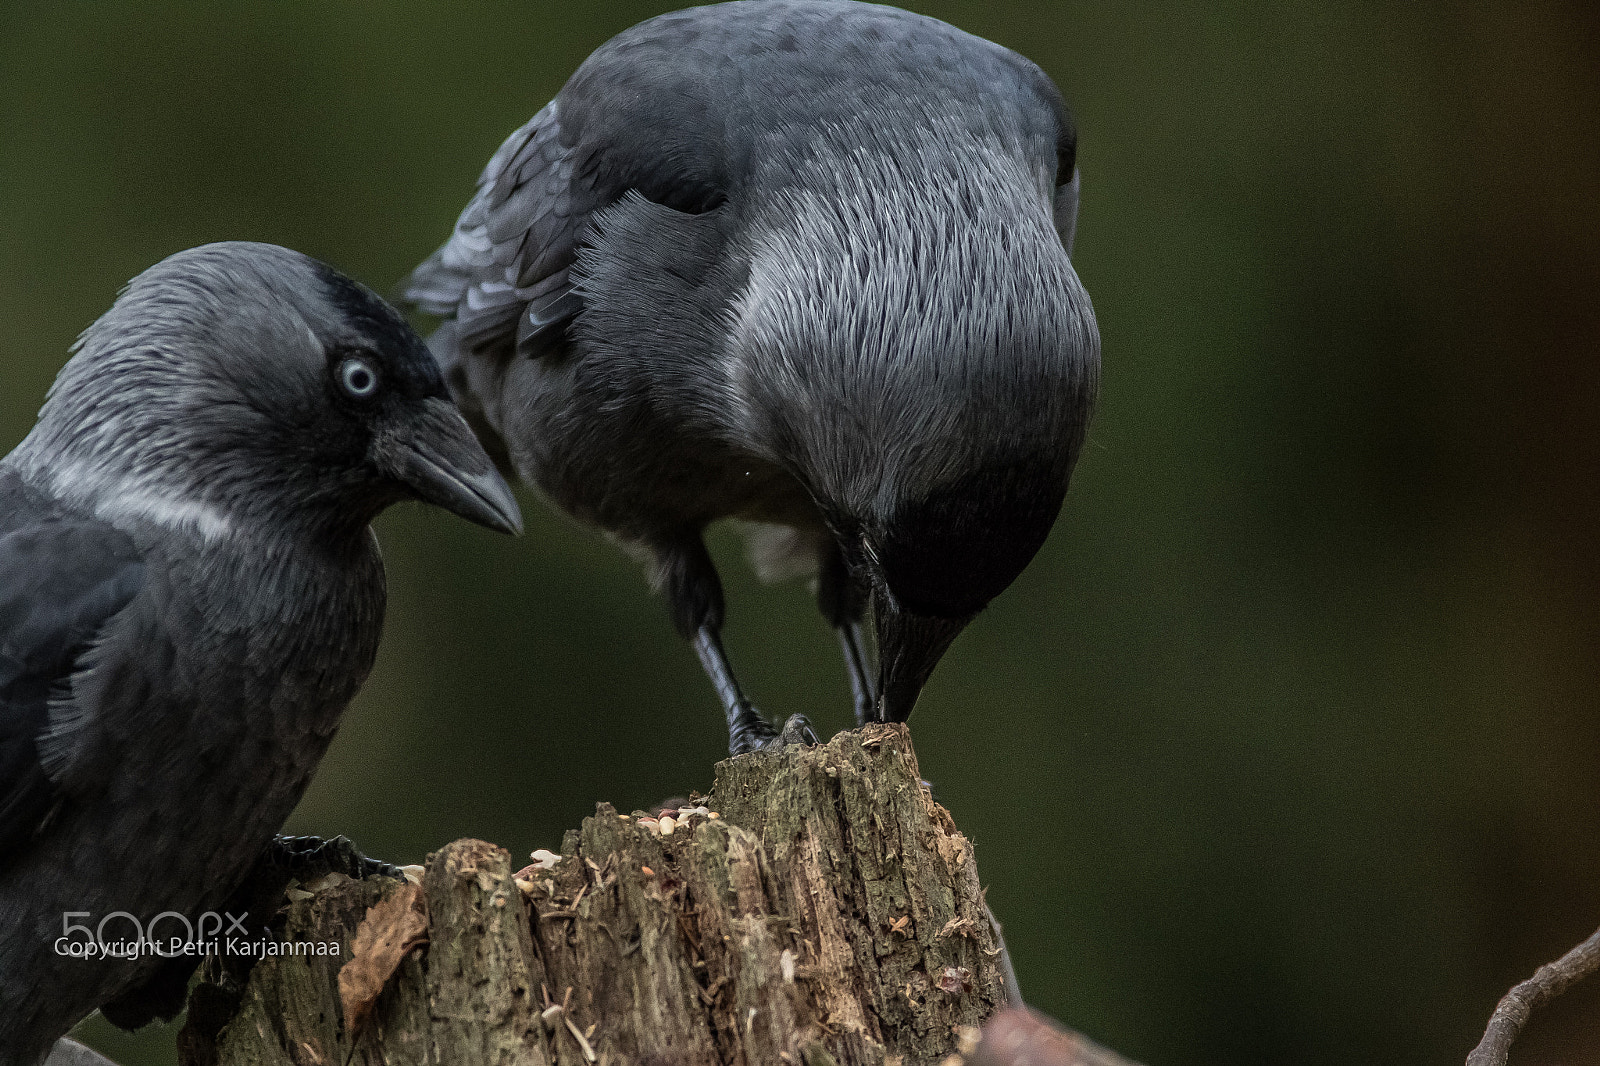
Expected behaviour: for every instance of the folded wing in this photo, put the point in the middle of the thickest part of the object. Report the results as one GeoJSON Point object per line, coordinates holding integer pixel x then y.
{"type": "Point", "coordinates": [62, 578]}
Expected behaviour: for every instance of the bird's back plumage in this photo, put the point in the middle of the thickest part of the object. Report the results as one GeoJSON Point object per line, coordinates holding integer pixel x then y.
{"type": "Point", "coordinates": [663, 151]}
{"type": "Point", "coordinates": [686, 108]}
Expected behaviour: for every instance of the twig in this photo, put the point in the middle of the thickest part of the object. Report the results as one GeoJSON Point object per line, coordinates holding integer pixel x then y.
{"type": "Point", "coordinates": [1007, 971]}
{"type": "Point", "coordinates": [1020, 1036]}
{"type": "Point", "coordinates": [1547, 982]}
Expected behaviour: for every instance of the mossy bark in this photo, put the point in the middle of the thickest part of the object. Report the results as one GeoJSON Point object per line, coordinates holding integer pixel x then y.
{"type": "Point", "coordinates": [832, 914]}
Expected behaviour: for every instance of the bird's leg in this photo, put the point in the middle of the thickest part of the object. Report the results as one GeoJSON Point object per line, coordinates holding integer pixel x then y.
{"type": "Point", "coordinates": [694, 592]}
{"type": "Point", "coordinates": [747, 730]}
{"type": "Point", "coordinates": [843, 603]}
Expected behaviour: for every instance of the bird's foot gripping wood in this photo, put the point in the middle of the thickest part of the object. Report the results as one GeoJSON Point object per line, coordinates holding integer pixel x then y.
{"type": "Point", "coordinates": [748, 731]}
{"type": "Point", "coordinates": [309, 857]}
{"type": "Point", "coordinates": [256, 901]}
{"type": "Point", "coordinates": [818, 907]}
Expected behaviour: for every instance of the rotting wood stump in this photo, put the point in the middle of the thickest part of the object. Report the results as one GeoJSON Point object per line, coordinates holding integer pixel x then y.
{"type": "Point", "coordinates": [829, 912]}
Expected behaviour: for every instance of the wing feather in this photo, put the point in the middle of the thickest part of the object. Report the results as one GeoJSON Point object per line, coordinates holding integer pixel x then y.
{"type": "Point", "coordinates": [510, 249]}
{"type": "Point", "coordinates": [62, 578]}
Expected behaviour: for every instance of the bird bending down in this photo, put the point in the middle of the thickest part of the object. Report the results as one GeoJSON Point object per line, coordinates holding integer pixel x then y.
{"type": "Point", "coordinates": [190, 594]}
{"type": "Point", "coordinates": [799, 262]}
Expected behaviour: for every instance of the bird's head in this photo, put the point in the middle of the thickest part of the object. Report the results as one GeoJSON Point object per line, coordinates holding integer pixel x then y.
{"type": "Point", "coordinates": [938, 556]}
{"type": "Point", "coordinates": [243, 384]}
{"type": "Point", "coordinates": [914, 344]}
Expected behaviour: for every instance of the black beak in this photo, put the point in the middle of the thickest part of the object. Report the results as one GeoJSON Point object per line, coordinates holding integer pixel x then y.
{"type": "Point", "coordinates": [437, 457]}
{"type": "Point", "coordinates": [910, 645]}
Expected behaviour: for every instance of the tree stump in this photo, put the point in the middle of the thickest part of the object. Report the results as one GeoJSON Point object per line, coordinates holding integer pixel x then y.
{"type": "Point", "coordinates": [825, 911]}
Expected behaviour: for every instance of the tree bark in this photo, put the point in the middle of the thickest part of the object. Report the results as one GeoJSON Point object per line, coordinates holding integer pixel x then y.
{"type": "Point", "coordinates": [828, 913]}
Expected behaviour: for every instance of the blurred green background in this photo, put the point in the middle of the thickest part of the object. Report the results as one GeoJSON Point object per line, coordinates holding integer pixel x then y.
{"type": "Point", "coordinates": [1285, 750]}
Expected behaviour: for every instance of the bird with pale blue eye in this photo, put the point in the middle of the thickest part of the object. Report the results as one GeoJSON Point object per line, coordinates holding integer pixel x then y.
{"type": "Point", "coordinates": [190, 595]}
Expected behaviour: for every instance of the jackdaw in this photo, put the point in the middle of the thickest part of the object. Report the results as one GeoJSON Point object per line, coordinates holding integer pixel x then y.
{"type": "Point", "coordinates": [799, 262]}
{"type": "Point", "coordinates": [190, 594]}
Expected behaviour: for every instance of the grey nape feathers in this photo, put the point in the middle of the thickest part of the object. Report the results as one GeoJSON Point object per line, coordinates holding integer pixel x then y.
{"type": "Point", "coordinates": [802, 263]}
{"type": "Point", "coordinates": [190, 594]}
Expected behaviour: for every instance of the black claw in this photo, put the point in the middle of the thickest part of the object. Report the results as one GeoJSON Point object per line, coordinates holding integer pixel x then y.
{"type": "Point", "coordinates": [797, 730]}
{"type": "Point", "coordinates": [308, 858]}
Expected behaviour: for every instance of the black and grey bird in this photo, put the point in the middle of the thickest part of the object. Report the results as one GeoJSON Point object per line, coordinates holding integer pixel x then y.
{"type": "Point", "coordinates": [799, 262]}
{"type": "Point", "coordinates": [190, 594]}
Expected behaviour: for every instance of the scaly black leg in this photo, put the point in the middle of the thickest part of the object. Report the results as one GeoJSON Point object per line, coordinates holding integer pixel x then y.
{"type": "Point", "coordinates": [694, 593]}
{"type": "Point", "coordinates": [747, 730]}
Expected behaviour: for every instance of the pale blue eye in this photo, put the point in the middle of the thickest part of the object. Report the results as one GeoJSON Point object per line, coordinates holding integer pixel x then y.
{"type": "Point", "coordinates": [358, 378]}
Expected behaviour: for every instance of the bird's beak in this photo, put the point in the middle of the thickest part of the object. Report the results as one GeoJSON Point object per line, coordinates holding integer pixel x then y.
{"type": "Point", "coordinates": [910, 645]}
{"type": "Point", "coordinates": [438, 458]}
